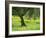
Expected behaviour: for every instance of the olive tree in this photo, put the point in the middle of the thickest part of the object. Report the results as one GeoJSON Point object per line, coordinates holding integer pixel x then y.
{"type": "Point", "coordinates": [20, 12]}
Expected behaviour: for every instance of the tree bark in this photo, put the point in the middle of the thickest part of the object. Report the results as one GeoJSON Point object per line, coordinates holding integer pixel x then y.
{"type": "Point", "coordinates": [22, 21]}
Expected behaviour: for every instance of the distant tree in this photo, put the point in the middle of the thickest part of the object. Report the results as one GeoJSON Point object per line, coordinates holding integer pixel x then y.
{"type": "Point", "coordinates": [34, 12]}
{"type": "Point", "coordinates": [30, 13]}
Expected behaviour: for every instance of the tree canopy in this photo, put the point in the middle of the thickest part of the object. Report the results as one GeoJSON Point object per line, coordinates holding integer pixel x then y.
{"type": "Point", "coordinates": [21, 11]}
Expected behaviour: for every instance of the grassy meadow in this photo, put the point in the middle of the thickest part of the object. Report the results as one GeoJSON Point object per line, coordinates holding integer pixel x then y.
{"type": "Point", "coordinates": [31, 24]}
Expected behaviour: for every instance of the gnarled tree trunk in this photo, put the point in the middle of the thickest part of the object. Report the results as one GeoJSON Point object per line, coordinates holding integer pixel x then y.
{"type": "Point", "coordinates": [22, 21]}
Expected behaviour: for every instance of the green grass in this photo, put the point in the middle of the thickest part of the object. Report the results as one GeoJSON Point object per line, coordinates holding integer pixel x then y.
{"type": "Point", "coordinates": [30, 24]}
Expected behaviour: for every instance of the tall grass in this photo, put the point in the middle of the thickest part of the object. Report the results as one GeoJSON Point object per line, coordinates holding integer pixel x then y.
{"type": "Point", "coordinates": [31, 24]}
